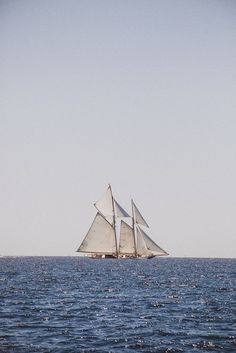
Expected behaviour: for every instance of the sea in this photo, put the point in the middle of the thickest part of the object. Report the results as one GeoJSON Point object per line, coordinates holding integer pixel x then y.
{"type": "Point", "coordinates": [75, 304]}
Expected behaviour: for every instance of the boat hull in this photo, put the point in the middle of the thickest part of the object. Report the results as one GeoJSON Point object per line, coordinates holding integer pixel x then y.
{"type": "Point", "coordinates": [122, 257]}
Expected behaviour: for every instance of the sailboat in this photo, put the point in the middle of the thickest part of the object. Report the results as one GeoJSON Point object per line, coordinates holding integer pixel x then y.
{"type": "Point", "coordinates": [110, 236]}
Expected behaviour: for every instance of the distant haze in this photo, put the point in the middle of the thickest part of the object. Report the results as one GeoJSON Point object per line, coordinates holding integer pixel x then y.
{"type": "Point", "coordinates": [139, 94]}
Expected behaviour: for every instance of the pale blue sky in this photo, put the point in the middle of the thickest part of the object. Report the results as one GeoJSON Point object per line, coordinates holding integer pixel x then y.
{"type": "Point", "coordinates": [139, 94]}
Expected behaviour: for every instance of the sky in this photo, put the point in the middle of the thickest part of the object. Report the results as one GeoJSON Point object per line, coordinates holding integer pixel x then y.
{"type": "Point", "coordinates": [139, 94]}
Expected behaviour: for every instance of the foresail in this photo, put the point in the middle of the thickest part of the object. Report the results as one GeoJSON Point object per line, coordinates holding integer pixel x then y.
{"type": "Point", "coordinates": [126, 239]}
{"type": "Point", "coordinates": [104, 205]}
{"type": "Point", "coordinates": [120, 212]}
{"type": "Point", "coordinates": [100, 237]}
{"type": "Point", "coordinates": [138, 217]}
{"type": "Point", "coordinates": [151, 245]}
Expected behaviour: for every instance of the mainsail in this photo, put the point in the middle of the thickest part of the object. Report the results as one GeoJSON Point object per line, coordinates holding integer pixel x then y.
{"type": "Point", "coordinates": [103, 240]}
{"type": "Point", "coordinates": [100, 237]}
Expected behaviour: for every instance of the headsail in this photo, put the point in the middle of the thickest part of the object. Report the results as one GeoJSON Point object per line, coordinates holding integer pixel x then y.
{"type": "Point", "coordinates": [127, 245]}
{"type": "Point", "coordinates": [138, 217]}
{"type": "Point", "coordinates": [100, 237]}
{"type": "Point", "coordinates": [151, 245]}
{"type": "Point", "coordinates": [142, 249]}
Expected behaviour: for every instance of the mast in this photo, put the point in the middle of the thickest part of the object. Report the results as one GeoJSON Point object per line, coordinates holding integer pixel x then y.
{"type": "Point", "coordinates": [134, 228]}
{"type": "Point", "coordinates": [114, 221]}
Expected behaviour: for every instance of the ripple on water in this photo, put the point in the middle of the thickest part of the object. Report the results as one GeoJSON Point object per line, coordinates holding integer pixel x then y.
{"type": "Point", "coordinates": [80, 305]}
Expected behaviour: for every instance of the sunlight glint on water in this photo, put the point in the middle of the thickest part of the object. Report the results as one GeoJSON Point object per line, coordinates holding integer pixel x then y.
{"type": "Point", "coordinates": [52, 304]}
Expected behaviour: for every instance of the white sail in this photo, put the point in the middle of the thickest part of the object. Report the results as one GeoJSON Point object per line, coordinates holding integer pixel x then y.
{"type": "Point", "coordinates": [120, 212]}
{"type": "Point", "coordinates": [151, 245]}
{"type": "Point", "coordinates": [126, 239]}
{"type": "Point", "coordinates": [102, 241]}
{"type": "Point", "coordinates": [100, 237]}
{"type": "Point", "coordinates": [142, 249]}
{"type": "Point", "coordinates": [138, 217]}
{"type": "Point", "coordinates": [104, 205]}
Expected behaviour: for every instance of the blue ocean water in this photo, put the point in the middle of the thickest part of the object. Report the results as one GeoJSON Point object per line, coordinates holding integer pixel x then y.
{"type": "Point", "coordinates": [70, 304]}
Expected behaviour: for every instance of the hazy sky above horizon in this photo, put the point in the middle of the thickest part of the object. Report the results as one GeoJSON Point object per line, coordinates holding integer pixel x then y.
{"type": "Point", "coordinates": [139, 94]}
